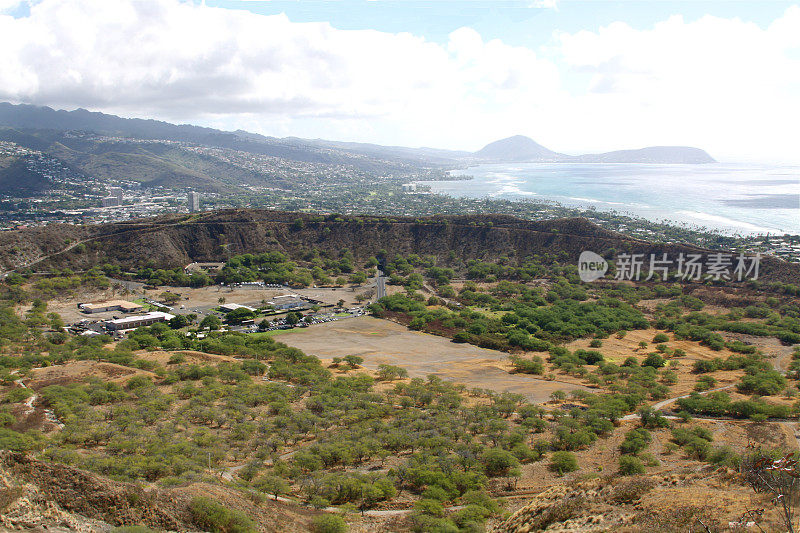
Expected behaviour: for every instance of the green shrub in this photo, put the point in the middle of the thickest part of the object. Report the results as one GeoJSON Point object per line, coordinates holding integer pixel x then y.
{"type": "Point", "coordinates": [429, 507]}
{"type": "Point", "coordinates": [654, 360]}
{"type": "Point", "coordinates": [698, 448]}
{"type": "Point", "coordinates": [767, 383]}
{"type": "Point", "coordinates": [661, 337]}
{"type": "Point", "coordinates": [652, 419]}
{"type": "Point", "coordinates": [630, 465]}
{"type": "Point", "coordinates": [703, 366]}
{"type": "Point", "coordinates": [563, 462]}
{"type": "Point", "coordinates": [497, 462]}
{"type": "Point", "coordinates": [20, 394]}
{"type": "Point", "coordinates": [176, 359]}
{"type": "Point", "coordinates": [435, 493]}
{"type": "Point", "coordinates": [725, 456]}
{"type": "Point", "coordinates": [471, 517]}
{"type": "Point", "coordinates": [6, 419]}
{"type": "Point", "coordinates": [705, 383]}
{"type": "Point", "coordinates": [329, 523]}
{"type": "Point", "coordinates": [649, 459]}
{"type": "Point", "coordinates": [635, 441]}
{"type": "Point", "coordinates": [15, 441]}
{"type": "Point", "coordinates": [527, 366]}
{"type": "Point", "coordinates": [211, 516]}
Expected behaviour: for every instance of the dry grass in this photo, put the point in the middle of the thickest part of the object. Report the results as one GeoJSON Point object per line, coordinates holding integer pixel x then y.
{"type": "Point", "coordinates": [77, 371]}
{"type": "Point", "coordinates": [384, 342]}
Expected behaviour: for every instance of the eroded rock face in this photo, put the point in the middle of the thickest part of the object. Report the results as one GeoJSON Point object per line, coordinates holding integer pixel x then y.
{"type": "Point", "coordinates": [176, 240]}
{"type": "Point", "coordinates": [79, 492]}
{"type": "Point", "coordinates": [41, 496]}
{"type": "Point", "coordinates": [585, 506]}
{"type": "Point", "coordinates": [54, 495]}
{"type": "Point", "coordinates": [660, 503]}
{"type": "Point", "coordinates": [23, 506]}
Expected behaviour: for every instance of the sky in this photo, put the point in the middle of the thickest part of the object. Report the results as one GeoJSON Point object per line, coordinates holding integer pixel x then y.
{"type": "Point", "coordinates": [576, 76]}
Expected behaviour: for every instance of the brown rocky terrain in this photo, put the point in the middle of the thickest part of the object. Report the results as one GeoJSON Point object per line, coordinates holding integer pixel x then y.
{"type": "Point", "coordinates": [687, 500]}
{"type": "Point", "coordinates": [49, 496]}
{"type": "Point", "coordinates": [177, 240]}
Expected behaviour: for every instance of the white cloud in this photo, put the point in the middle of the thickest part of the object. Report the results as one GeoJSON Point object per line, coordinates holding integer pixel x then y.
{"type": "Point", "coordinates": [545, 4]}
{"type": "Point", "coordinates": [725, 85]}
{"type": "Point", "coordinates": [180, 60]}
{"type": "Point", "coordinates": [6, 6]}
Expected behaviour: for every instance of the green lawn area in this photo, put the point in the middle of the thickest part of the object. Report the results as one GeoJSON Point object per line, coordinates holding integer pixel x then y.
{"type": "Point", "coordinates": [145, 305]}
{"type": "Point", "coordinates": [269, 333]}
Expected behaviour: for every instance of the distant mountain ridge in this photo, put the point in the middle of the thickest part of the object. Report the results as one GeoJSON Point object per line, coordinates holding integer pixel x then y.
{"type": "Point", "coordinates": [517, 148]}
{"type": "Point", "coordinates": [652, 154]}
{"type": "Point", "coordinates": [69, 137]}
{"type": "Point", "coordinates": [32, 117]}
{"type": "Point", "coordinates": [524, 149]}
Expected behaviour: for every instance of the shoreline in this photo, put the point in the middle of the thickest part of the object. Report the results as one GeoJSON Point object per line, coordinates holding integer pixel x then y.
{"type": "Point", "coordinates": [506, 187]}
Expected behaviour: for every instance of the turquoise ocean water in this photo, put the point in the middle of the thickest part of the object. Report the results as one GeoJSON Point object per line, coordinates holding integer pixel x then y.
{"type": "Point", "coordinates": [744, 199]}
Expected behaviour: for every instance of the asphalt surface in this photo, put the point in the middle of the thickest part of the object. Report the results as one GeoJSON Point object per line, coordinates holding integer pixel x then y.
{"type": "Point", "coordinates": [380, 288]}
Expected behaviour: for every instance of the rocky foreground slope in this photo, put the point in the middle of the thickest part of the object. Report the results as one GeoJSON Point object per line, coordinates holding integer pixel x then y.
{"type": "Point", "coordinates": [37, 495]}
{"type": "Point", "coordinates": [687, 500]}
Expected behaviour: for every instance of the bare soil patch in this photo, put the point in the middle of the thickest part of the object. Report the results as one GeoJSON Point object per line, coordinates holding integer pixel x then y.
{"type": "Point", "coordinates": [190, 357]}
{"type": "Point", "coordinates": [384, 342]}
{"type": "Point", "coordinates": [76, 371]}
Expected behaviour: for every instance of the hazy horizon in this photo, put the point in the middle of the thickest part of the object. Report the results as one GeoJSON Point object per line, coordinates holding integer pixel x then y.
{"type": "Point", "coordinates": [576, 78]}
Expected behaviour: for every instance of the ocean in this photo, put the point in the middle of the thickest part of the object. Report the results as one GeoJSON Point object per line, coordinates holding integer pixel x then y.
{"type": "Point", "coordinates": [731, 199]}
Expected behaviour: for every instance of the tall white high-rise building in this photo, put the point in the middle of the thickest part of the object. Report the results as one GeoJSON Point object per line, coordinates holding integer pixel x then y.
{"type": "Point", "coordinates": [193, 200]}
{"type": "Point", "coordinates": [116, 192]}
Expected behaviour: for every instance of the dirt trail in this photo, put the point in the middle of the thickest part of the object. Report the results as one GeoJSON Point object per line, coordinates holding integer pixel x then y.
{"type": "Point", "coordinates": [30, 403]}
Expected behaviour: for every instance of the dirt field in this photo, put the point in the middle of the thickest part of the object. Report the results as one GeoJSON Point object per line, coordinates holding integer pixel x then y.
{"type": "Point", "coordinates": [384, 342]}
{"type": "Point", "coordinates": [190, 357]}
{"type": "Point", "coordinates": [77, 371]}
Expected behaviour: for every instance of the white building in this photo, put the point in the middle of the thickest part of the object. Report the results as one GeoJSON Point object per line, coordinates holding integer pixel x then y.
{"type": "Point", "coordinates": [227, 308]}
{"type": "Point", "coordinates": [133, 322]}
{"type": "Point", "coordinates": [287, 301]}
{"type": "Point", "coordinates": [110, 305]}
{"type": "Point", "coordinates": [115, 192]}
{"type": "Point", "coordinates": [193, 200]}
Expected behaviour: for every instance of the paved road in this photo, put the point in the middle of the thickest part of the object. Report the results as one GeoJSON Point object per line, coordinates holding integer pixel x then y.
{"type": "Point", "coordinates": [658, 406]}
{"type": "Point", "coordinates": [380, 288]}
